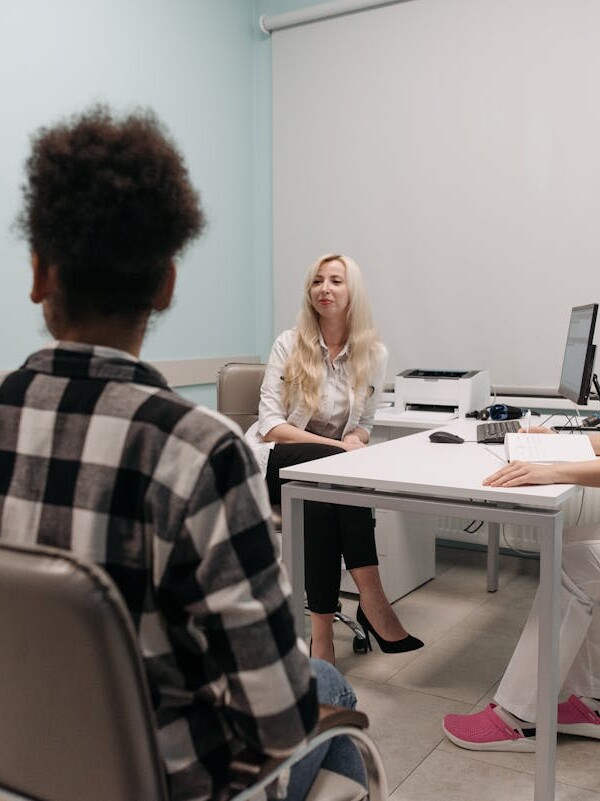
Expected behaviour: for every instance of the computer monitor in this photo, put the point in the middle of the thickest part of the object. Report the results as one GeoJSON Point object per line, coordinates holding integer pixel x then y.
{"type": "Point", "coordinates": [578, 362]}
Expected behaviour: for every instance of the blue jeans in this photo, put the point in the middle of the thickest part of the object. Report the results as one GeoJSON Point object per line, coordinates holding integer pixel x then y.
{"type": "Point", "coordinates": [339, 755]}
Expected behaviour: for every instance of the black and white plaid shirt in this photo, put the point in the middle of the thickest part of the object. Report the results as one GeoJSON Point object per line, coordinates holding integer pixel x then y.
{"type": "Point", "coordinates": [99, 456]}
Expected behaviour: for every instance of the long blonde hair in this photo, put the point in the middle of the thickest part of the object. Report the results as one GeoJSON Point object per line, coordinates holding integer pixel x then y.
{"type": "Point", "coordinates": [303, 372]}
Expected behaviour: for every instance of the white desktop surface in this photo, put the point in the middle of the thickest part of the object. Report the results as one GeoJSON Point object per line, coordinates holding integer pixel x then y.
{"type": "Point", "coordinates": [416, 466]}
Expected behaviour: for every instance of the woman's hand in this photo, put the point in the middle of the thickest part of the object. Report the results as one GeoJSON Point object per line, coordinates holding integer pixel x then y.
{"type": "Point", "coordinates": [516, 474]}
{"type": "Point", "coordinates": [537, 430]}
{"type": "Point", "coordinates": [352, 441]}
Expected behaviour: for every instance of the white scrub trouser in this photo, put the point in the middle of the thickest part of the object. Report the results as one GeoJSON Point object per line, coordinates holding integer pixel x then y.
{"type": "Point", "coordinates": [579, 638]}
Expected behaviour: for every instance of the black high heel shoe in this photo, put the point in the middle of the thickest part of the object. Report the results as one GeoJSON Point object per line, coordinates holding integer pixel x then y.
{"type": "Point", "coordinates": [408, 643]}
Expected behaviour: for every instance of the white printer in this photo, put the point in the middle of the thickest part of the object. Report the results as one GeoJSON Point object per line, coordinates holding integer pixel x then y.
{"type": "Point", "coordinates": [460, 391]}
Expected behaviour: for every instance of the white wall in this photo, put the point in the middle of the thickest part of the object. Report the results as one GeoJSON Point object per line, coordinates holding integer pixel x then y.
{"type": "Point", "coordinates": [453, 149]}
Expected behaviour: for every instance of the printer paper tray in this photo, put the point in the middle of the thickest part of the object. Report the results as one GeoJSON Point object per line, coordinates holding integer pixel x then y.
{"type": "Point", "coordinates": [425, 417]}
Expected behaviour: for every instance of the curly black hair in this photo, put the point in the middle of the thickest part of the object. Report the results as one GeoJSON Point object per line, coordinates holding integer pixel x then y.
{"type": "Point", "coordinates": [109, 203]}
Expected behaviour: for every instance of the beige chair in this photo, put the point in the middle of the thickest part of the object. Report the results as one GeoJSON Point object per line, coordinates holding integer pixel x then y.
{"type": "Point", "coordinates": [238, 396]}
{"type": "Point", "coordinates": [238, 392]}
{"type": "Point", "coordinates": [76, 722]}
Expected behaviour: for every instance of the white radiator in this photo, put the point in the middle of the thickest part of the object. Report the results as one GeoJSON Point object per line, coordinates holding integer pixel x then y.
{"type": "Point", "coordinates": [583, 508]}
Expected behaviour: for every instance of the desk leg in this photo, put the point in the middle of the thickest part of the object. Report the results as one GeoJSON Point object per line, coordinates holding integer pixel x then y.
{"type": "Point", "coordinates": [292, 551]}
{"type": "Point", "coordinates": [493, 556]}
{"type": "Point", "coordinates": [548, 672]}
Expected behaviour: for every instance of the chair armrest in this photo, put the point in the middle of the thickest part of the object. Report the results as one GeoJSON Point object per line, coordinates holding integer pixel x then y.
{"type": "Point", "coordinates": [330, 716]}
{"type": "Point", "coordinates": [250, 772]}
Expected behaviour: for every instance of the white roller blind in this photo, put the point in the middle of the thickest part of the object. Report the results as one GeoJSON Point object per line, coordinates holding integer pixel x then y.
{"type": "Point", "coordinates": [452, 147]}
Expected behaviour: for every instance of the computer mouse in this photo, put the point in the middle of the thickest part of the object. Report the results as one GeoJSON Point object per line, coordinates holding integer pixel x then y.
{"type": "Point", "coordinates": [445, 436]}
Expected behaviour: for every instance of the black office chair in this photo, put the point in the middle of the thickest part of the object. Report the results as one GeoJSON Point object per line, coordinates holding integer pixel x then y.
{"type": "Point", "coordinates": [238, 396]}
{"type": "Point", "coordinates": [76, 721]}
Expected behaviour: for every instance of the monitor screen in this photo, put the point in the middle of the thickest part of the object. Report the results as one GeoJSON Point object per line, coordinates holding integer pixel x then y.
{"type": "Point", "coordinates": [578, 362]}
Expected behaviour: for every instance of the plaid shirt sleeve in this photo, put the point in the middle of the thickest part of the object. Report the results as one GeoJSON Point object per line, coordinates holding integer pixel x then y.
{"type": "Point", "coordinates": [223, 571]}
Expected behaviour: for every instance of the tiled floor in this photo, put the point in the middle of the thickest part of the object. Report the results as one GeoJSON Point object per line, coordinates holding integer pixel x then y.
{"type": "Point", "coordinates": [469, 637]}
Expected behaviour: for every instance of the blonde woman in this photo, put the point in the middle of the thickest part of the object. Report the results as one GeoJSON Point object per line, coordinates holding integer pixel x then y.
{"type": "Point", "coordinates": [318, 397]}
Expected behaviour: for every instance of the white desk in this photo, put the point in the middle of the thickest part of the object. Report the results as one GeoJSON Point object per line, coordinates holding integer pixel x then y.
{"type": "Point", "coordinates": [390, 424]}
{"type": "Point", "coordinates": [411, 474]}
{"type": "Point", "coordinates": [406, 544]}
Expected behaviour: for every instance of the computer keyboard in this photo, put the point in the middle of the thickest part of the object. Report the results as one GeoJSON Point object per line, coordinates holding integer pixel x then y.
{"type": "Point", "coordinates": [493, 433]}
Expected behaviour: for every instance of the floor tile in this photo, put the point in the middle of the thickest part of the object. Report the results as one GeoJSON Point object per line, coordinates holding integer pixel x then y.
{"type": "Point", "coordinates": [463, 666]}
{"type": "Point", "coordinates": [504, 613]}
{"type": "Point", "coordinates": [427, 616]}
{"type": "Point", "coordinates": [466, 581]}
{"type": "Point", "coordinates": [456, 777]}
{"type": "Point", "coordinates": [406, 726]}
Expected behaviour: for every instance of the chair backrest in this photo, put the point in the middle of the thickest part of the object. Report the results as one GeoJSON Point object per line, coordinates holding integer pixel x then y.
{"type": "Point", "coordinates": [76, 723]}
{"type": "Point", "coordinates": [238, 392]}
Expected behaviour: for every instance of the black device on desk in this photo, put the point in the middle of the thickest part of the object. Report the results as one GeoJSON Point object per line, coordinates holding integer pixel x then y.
{"type": "Point", "coordinates": [493, 433]}
{"type": "Point", "coordinates": [587, 424]}
{"type": "Point", "coordinates": [574, 430]}
{"type": "Point", "coordinates": [577, 374]}
{"type": "Point", "coordinates": [578, 362]}
{"type": "Point", "coordinates": [445, 436]}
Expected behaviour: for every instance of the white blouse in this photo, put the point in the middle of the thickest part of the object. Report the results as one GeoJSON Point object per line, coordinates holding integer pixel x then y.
{"type": "Point", "coordinates": [341, 410]}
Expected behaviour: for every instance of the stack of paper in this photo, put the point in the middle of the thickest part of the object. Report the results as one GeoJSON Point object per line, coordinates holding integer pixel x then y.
{"type": "Point", "coordinates": [548, 448]}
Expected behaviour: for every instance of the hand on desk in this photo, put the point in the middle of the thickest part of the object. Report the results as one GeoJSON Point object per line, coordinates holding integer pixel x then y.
{"type": "Point", "coordinates": [537, 430]}
{"type": "Point", "coordinates": [352, 441]}
{"type": "Point", "coordinates": [516, 474]}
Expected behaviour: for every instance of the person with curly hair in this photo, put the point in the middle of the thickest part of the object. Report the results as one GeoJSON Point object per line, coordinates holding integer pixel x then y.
{"type": "Point", "coordinates": [99, 456]}
{"type": "Point", "coordinates": [321, 387]}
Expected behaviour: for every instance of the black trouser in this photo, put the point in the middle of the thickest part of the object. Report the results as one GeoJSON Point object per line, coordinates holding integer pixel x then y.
{"type": "Point", "coordinates": [330, 530]}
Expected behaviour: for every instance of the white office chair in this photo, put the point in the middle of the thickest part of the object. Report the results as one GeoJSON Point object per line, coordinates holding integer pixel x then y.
{"type": "Point", "coordinates": [76, 721]}
{"type": "Point", "coordinates": [238, 396]}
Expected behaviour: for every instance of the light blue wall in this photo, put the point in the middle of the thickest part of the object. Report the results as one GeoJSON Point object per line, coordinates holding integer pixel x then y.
{"type": "Point", "coordinates": [205, 67]}
{"type": "Point", "coordinates": [191, 60]}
